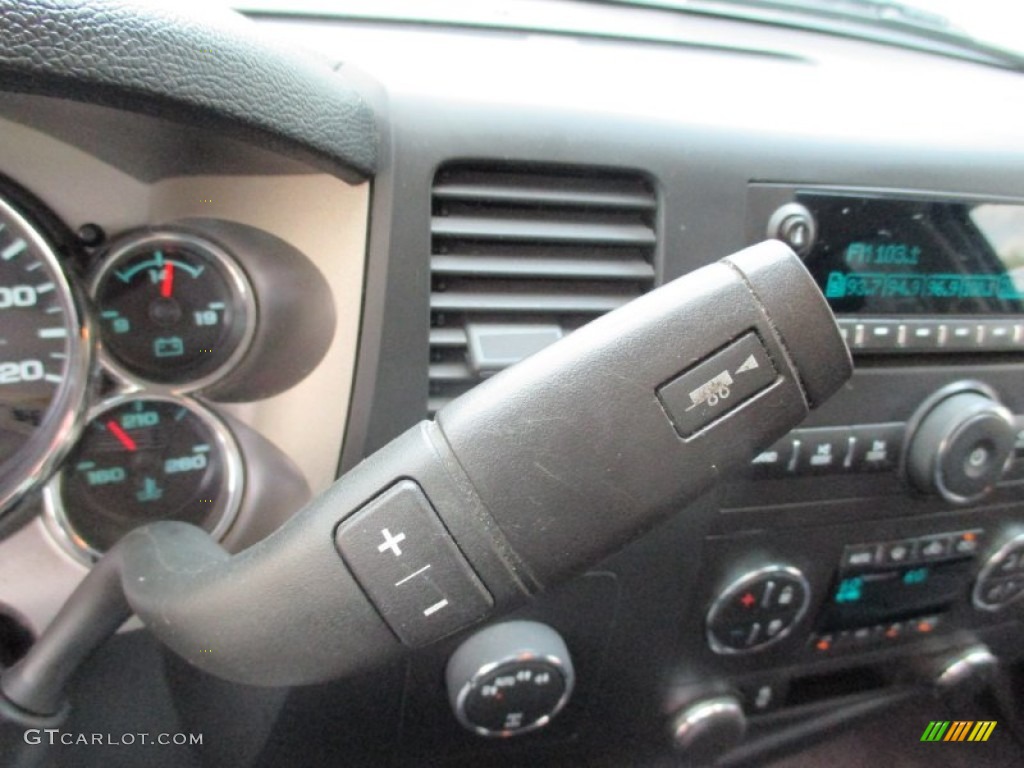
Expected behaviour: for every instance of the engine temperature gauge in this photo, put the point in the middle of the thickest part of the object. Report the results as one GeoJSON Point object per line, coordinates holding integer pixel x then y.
{"type": "Point", "coordinates": [174, 309]}
{"type": "Point", "coordinates": [140, 460]}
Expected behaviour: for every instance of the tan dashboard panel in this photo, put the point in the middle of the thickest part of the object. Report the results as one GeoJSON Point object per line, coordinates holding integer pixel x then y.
{"type": "Point", "coordinates": [326, 219]}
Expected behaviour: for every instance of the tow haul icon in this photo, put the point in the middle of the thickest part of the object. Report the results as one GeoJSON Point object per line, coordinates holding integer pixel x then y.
{"type": "Point", "coordinates": [718, 388]}
{"type": "Point", "coordinates": [711, 392]}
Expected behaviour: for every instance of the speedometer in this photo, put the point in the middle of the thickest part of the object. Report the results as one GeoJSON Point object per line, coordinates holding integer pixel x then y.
{"type": "Point", "coordinates": [44, 358]}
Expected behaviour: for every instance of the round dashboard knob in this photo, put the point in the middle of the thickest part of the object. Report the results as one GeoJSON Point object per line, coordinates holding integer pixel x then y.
{"type": "Point", "coordinates": [757, 610]}
{"type": "Point", "coordinates": [709, 728]}
{"type": "Point", "coordinates": [966, 667]}
{"type": "Point", "coordinates": [510, 678]}
{"type": "Point", "coordinates": [1001, 580]}
{"type": "Point", "coordinates": [961, 446]}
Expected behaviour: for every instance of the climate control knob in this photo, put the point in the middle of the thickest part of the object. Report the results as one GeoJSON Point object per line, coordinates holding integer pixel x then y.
{"type": "Point", "coordinates": [708, 729]}
{"type": "Point", "coordinates": [1001, 580]}
{"type": "Point", "coordinates": [757, 610]}
{"type": "Point", "coordinates": [509, 678]}
{"type": "Point", "coordinates": [961, 444]}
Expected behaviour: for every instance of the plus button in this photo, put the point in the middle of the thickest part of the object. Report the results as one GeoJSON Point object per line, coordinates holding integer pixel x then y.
{"type": "Point", "coordinates": [391, 542]}
{"type": "Point", "coordinates": [748, 600]}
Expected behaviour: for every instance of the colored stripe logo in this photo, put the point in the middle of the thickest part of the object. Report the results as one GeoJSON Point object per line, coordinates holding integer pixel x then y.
{"type": "Point", "coordinates": [958, 730]}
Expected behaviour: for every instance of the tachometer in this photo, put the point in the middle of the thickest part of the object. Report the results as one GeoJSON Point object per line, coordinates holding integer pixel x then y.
{"type": "Point", "coordinates": [44, 357]}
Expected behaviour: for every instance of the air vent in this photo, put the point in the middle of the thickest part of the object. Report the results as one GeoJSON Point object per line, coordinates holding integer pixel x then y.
{"type": "Point", "coordinates": [521, 257]}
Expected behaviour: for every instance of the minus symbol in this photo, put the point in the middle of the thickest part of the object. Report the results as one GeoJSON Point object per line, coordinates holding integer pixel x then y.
{"type": "Point", "coordinates": [435, 607]}
{"type": "Point", "coordinates": [412, 575]}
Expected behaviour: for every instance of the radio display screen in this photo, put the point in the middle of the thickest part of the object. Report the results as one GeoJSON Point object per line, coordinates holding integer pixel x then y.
{"type": "Point", "coordinates": [864, 598]}
{"type": "Point", "coordinates": [890, 256]}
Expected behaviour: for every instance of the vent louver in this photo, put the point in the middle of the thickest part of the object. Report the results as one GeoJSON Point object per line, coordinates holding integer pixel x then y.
{"type": "Point", "coordinates": [522, 257]}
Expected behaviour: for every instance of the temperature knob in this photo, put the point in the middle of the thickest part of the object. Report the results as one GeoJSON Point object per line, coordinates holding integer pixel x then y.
{"type": "Point", "coordinates": [757, 610]}
{"type": "Point", "coordinates": [510, 678]}
{"type": "Point", "coordinates": [708, 729]}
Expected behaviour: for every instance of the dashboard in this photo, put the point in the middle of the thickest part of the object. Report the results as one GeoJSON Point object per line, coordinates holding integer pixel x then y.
{"type": "Point", "coordinates": [244, 322]}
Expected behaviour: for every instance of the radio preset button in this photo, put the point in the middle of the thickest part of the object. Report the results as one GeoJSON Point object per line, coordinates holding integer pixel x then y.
{"type": "Point", "coordinates": [880, 335]}
{"type": "Point", "coordinates": [998, 334]}
{"type": "Point", "coordinates": [921, 335]}
{"type": "Point", "coordinates": [963, 336]}
{"type": "Point", "coordinates": [847, 328]}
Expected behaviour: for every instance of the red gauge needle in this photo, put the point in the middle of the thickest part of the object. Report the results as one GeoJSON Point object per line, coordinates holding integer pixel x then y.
{"type": "Point", "coordinates": [124, 438]}
{"type": "Point", "coordinates": [167, 284]}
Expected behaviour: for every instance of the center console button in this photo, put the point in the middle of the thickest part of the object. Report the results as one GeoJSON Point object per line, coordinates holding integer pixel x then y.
{"type": "Point", "coordinates": [861, 556]}
{"type": "Point", "coordinates": [966, 543]}
{"type": "Point", "coordinates": [823, 450]}
{"type": "Point", "coordinates": [877, 447]}
{"type": "Point", "coordinates": [779, 460]}
{"type": "Point", "coordinates": [898, 552]}
{"type": "Point", "coordinates": [934, 548]}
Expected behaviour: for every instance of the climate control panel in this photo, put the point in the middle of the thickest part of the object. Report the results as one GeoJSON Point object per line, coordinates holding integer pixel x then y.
{"type": "Point", "coordinates": [878, 594]}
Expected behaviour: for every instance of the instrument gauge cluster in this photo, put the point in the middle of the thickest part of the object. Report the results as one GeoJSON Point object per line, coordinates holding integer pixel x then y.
{"type": "Point", "coordinates": [115, 358]}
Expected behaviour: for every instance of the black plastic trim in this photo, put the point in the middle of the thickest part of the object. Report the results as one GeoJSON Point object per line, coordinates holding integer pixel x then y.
{"type": "Point", "coordinates": [220, 73]}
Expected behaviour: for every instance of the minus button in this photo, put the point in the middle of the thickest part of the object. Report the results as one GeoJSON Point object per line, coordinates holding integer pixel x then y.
{"type": "Point", "coordinates": [435, 607]}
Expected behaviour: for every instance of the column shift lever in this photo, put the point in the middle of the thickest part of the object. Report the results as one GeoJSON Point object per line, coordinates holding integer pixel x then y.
{"type": "Point", "coordinates": [536, 474]}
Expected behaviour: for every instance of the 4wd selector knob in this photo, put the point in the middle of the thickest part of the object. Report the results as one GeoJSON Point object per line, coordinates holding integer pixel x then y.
{"type": "Point", "coordinates": [509, 678]}
{"type": "Point", "coordinates": [961, 444]}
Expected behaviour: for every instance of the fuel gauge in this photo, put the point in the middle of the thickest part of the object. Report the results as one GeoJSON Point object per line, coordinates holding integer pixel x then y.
{"type": "Point", "coordinates": [143, 459]}
{"type": "Point", "coordinates": [174, 309]}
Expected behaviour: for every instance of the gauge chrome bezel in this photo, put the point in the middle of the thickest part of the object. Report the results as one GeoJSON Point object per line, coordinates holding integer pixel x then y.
{"type": "Point", "coordinates": [55, 516]}
{"type": "Point", "coordinates": [244, 298]}
{"type": "Point", "coordinates": [32, 464]}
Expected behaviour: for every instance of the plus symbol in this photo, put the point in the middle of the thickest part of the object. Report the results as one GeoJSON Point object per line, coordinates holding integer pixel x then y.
{"type": "Point", "coordinates": [748, 600]}
{"type": "Point", "coordinates": [391, 542]}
